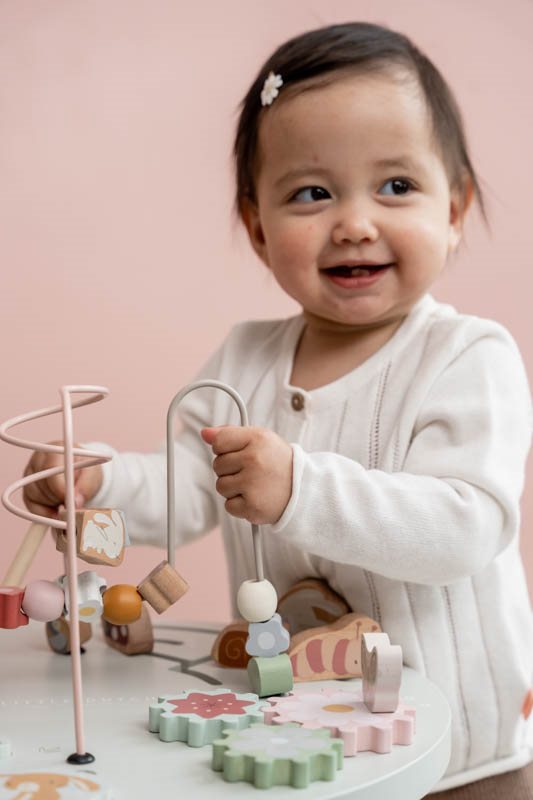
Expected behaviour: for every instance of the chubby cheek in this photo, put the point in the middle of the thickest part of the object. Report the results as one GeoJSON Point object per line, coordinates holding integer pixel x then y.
{"type": "Point", "coordinates": [421, 250]}
{"type": "Point", "coordinates": [292, 246]}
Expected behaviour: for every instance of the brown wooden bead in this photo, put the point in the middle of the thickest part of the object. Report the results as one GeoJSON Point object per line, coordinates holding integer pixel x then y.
{"type": "Point", "coordinates": [162, 587]}
{"type": "Point", "coordinates": [122, 604]}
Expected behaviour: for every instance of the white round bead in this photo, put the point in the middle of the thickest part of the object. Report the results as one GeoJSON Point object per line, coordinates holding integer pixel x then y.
{"type": "Point", "coordinates": [257, 600]}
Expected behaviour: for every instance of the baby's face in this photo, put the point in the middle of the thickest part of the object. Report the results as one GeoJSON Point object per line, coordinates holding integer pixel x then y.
{"type": "Point", "coordinates": [348, 174]}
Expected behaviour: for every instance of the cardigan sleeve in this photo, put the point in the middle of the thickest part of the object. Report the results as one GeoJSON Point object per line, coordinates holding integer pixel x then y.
{"type": "Point", "coordinates": [455, 503]}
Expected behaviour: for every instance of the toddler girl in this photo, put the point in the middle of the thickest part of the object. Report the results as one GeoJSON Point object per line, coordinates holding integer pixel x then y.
{"type": "Point", "coordinates": [390, 431]}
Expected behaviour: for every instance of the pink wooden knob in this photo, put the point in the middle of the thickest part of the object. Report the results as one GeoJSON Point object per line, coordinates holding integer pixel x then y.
{"type": "Point", "coordinates": [43, 600]}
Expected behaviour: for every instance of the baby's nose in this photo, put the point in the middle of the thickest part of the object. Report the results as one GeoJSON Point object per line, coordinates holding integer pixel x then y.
{"type": "Point", "coordinates": [354, 224]}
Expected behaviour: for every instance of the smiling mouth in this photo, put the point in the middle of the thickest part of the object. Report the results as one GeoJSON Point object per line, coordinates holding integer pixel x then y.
{"type": "Point", "coordinates": [343, 271]}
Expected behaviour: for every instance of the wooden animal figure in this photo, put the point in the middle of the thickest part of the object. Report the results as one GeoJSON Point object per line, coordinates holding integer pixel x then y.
{"type": "Point", "coordinates": [46, 786]}
{"type": "Point", "coordinates": [229, 647]}
{"type": "Point", "coordinates": [132, 639]}
{"type": "Point", "coordinates": [309, 604]}
{"type": "Point", "coordinates": [381, 664]}
{"type": "Point", "coordinates": [58, 635]}
{"type": "Point", "coordinates": [100, 536]}
{"type": "Point", "coordinates": [331, 651]}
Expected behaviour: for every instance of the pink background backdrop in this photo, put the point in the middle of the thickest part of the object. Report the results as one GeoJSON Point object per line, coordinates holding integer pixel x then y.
{"type": "Point", "coordinates": [121, 263]}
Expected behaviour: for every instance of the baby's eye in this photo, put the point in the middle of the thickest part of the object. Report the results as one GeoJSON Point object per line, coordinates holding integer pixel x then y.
{"type": "Point", "coordinates": [397, 187]}
{"type": "Point", "coordinates": [310, 194]}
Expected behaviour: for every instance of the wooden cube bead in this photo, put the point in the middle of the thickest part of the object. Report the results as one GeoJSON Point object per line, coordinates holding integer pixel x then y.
{"type": "Point", "coordinates": [122, 604]}
{"type": "Point", "coordinates": [132, 639]}
{"type": "Point", "coordinates": [11, 615]}
{"type": "Point", "coordinates": [162, 587]}
{"type": "Point", "coordinates": [101, 536]}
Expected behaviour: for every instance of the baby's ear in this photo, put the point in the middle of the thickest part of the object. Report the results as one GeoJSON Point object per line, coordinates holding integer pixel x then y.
{"type": "Point", "coordinates": [460, 201]}
{"type": "Point", "coordinates": [252, 222]}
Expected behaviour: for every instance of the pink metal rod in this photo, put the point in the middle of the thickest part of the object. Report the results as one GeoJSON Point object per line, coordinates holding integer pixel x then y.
{"type": "Point", "coordinates": [69, 451]}
{"type": "Point", "coordinates": [92, 457]}
{"type": "Point", "coordinates": [72, 572]}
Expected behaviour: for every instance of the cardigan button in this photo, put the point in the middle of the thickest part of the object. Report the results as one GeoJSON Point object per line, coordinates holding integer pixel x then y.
{"type": "Point", "coordinates": [298, 401]}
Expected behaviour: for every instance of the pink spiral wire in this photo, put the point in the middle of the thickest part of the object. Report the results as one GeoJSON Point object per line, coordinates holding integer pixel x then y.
{"type": "Point", "coordinates": [91, 459]}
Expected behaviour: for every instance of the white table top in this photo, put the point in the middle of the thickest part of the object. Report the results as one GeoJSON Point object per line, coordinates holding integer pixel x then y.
{"type": "Point", "coordinates": [36, 717]}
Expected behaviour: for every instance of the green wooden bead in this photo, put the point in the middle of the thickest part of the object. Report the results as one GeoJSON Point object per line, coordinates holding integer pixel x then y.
{"type": "Point", "coordinates": [270, 676]}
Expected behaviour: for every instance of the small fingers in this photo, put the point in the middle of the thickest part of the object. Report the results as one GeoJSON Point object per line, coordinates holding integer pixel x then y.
{"type": "Point", "coordinates": [227, 439]}
{"type": "Point", "coordinates": [229, 486]}
{"type": "Point", "coordinates": [40, 493]}
{"type": "Point", "coordinates": [43, 511]}
{"type": "Point", "coordinates": [236, 506]}
{"type": "Point", "coordinates": [228, 464]}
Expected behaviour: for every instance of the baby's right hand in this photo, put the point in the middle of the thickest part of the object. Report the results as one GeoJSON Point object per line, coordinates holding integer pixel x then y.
{"type": "Point", "coordinates": [45, 496]}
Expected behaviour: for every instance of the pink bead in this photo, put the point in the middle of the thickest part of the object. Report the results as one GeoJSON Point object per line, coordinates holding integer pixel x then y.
{"type": "Point", "coordinates": [43, 600]}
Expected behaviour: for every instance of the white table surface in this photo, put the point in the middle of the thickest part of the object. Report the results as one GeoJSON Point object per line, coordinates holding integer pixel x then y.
{"type": "Point", "coordinates": [36, 717]}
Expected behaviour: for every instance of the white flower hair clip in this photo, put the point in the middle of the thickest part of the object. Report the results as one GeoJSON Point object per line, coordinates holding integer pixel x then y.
{"type": "Point", "coordinates": [270, 89]}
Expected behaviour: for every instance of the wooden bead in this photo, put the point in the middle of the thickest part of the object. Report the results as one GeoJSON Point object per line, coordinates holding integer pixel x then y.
{"type": "Point", "coordinates": [132, 639]}
{"type": "Point", "coordinates": [257, 600]}
{"type": "Point", "coordinates": [122, 604]}
{"type": "Point", "coordinates": [267, 639]}
{"type": "Point", "coordinates": [162, 587]}
{"type": "Point", "coordinates": [101, 536]}
{"type": "Point", "coordinates": [58, 635]}
{"type": "Point", "coordinates": [11, 615]}
{"type": "Point", "coordinates": [269, 676]}
{"type": "Point", "coordinates": [90, 587]}
{"type": "Point", "coordinates": [43, 601]}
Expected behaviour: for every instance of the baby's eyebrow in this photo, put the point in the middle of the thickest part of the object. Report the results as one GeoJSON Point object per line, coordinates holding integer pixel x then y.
{"type": "Point", "coordinates": [403, 162]}
{"type": "Point", "coordinates": [300, 172]}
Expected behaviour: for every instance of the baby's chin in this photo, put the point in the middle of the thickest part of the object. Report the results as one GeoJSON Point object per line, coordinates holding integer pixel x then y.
{"type": "Point", "coordinates": [330, 325]}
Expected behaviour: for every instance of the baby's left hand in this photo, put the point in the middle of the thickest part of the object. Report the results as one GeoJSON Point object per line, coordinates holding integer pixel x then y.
{"type": "Point", "coordinates": [254, 468]}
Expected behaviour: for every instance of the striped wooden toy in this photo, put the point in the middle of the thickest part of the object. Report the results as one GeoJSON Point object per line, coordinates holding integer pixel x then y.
{"type": "Point", "coordinates": [330, 651]}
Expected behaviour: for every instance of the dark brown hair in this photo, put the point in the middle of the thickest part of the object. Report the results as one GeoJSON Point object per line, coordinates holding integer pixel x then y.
{"type": "Point", "coordinates": [359, 47]}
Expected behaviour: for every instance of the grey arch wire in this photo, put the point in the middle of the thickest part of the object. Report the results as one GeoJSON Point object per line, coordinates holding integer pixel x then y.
{"type": "Point", "coordinates": [171, 497]}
